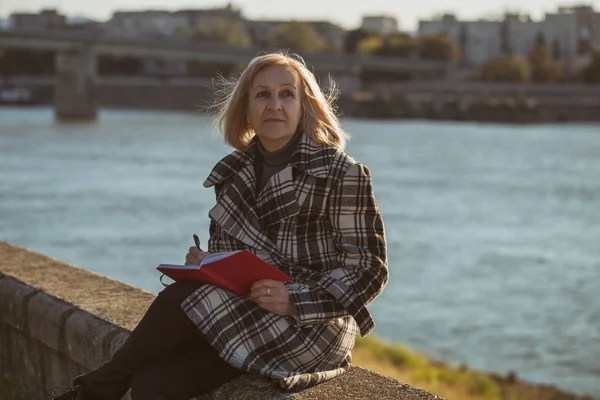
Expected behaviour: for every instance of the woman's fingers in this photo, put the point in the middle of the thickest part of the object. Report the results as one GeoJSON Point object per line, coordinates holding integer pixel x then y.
{"type": "Point", "coordinates": [269, 291]}
{"type": "Point", "coordinates": [272, 296]}
{"type": "Point", "coordinates": [194, 256]}
{"type": "Point", "coordinates": [196, 252]}
{"type": "Point", "coordinates": [191, 260]}
{"type": "Point", "coordinates": [264, 284]}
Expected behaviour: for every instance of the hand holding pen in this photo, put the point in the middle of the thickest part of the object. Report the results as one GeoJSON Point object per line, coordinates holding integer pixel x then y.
{"type": "Point", "coordinates": [195, 253]}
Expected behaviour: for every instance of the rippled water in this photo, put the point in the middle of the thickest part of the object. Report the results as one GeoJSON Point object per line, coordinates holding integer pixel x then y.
{"type": "Point", "coordinates": [493, 231]}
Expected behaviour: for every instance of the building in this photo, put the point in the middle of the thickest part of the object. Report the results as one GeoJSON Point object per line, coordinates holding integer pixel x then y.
{"type": "Point", "coordinates": [480, 41]}
{"type": "Point", "coordinates": [83, 24]}
{"type": "Point", "coordinates": [332, 34]}
{"type": "Point", "coordinates": [204, 21]}
{"type": "Point", "coordinates": [519, 34]}
{"type": "Point", "coordinates": [477, 40]}
{"type": "Point", "coordinates": [571, 34]}
{"type": "Point", "coordinates": [46, 19]}
{"type": "Point", "coordinates": [383, 25]}
{"type": "Point", "coordinates": [167, 24]}
{"type": "Point", "coordinates": [261, 32]}
{"type": "Point", "coordinates": [447, 24]}
{"type": "Point", "coordinates": [146, 23]}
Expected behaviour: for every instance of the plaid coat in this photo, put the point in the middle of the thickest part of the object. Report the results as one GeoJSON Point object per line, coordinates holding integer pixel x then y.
{"type": "Point", "coordinates": [316, 220]}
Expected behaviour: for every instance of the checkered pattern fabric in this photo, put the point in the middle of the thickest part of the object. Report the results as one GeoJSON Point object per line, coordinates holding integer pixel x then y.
{"type": "Point", "coordinates": [316, 220]}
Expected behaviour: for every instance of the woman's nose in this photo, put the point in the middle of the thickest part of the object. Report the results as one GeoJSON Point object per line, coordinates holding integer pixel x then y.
{"type": "Point", "coordinates": [274, 103]}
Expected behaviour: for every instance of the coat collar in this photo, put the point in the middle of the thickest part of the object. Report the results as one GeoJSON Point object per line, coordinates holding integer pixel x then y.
{"type": "Point", "coordinates": [309, 157]}
{"type": "Point", "coordinates": [246, 216]}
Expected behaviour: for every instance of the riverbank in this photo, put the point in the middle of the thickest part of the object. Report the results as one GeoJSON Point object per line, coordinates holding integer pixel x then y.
{"type": "Point", "coordinates": [453, 101]}
{"type": "Point", "coordinates": [452, 382]}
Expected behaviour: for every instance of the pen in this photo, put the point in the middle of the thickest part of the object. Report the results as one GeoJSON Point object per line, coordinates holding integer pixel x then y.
{"type": "Point", "coordinates": [197, 241]}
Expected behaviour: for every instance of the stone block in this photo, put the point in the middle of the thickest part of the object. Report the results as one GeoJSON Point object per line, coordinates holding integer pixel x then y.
{"type": "Point", "coordinates": [5, 334]}
{"type": "Point", "coordinates": [46, 319]}
{"type": "Point", "coordinates": [115, 343]}
{"type": "Point", "coordinates": [57, 370]}
{"type": "Point", "coordinates": [14, 296]}
{"type": "Point", "coordinates": [23, 362]}
{"type": "Point", "coordinates": [248, 387]}
{"type": "Point", "coordinates": [84, 338]}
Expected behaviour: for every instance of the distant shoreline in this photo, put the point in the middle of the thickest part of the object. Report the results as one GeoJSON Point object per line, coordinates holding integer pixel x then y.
{"type": "Point", "coordinates": [475, 102]}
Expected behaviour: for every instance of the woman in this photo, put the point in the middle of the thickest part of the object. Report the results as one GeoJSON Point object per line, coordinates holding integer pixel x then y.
{"type": "Point", "coordinates": [292, 196]}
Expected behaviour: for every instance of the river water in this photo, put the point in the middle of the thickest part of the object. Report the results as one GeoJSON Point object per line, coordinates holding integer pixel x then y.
{"type": "Point", "coordinates": [493, 230]}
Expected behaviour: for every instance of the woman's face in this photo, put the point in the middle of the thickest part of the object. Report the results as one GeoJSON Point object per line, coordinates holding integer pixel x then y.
{"type": "Point", "coordinates": [274, 107]}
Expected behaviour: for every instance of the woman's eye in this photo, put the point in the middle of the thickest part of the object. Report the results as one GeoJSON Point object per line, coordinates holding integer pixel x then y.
{"type": "Point", "coordinates": [288, 93]}
{"type": "Point", "coordinates": [262, 94]}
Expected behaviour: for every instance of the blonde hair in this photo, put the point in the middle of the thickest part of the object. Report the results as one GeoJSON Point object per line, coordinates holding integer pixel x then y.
{"type": "Point", "coordinates": [319, 120]}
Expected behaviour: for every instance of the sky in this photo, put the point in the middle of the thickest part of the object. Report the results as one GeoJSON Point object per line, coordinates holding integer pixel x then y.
{"type": "Point", "coordinates": [347, 13]}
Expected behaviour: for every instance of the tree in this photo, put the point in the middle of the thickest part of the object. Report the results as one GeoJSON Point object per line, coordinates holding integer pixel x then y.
{"type": "Point", "coordinates": [438, 47]}
{"type": "Point", "coordinates": [543, 67]}
{"type": "Point", "coordinates": [506, 69]}
{"type": "Point", "coordinates": [297, 36]}
{"type": "Point", "coordinates": [224, 30]}
{"type": "Point", "coordinates": [369, 45]}
{"type": "Point", "coordinates": [352, 39]}
{"type": "Point", "coordinates": [398, 45]}
{"type": "Point", "coordinates": [592, 71]}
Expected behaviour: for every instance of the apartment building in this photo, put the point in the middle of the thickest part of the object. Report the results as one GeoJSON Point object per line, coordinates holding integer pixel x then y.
{"type": "Point", "coordinates": [477, 40]}
{"type": "Point", "coordinates": [571, 34]}
{"type": "Point", "coordinates": [46, 19]}
{"type": "Point", "coordinates": [166, 23]}
{"type": "Point", "coordinates": [380, 24]}
{"type": "Point", "coordinates": [146, 23]}
{"type": "Point", "coordinates": [209, 19]}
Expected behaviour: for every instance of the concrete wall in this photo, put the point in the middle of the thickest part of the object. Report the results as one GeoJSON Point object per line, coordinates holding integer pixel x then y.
{"type": "Point", "coordinates": [57, 321]}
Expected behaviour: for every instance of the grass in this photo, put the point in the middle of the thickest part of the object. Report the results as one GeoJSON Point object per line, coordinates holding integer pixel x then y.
{"type": "Point", "coordinates": [408, 366]}
{"type": "Point", "coordinates": [451, 382]}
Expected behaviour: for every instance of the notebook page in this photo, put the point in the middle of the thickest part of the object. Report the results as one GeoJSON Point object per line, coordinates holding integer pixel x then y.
{"type": "Point", "coordinates": [218, 256]}
{"type": "Point", "coordinates": [175, 266]}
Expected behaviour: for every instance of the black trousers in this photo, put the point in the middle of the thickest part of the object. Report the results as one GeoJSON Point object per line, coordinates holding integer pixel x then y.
{"type": "Point", "coordinates": [165, 357]}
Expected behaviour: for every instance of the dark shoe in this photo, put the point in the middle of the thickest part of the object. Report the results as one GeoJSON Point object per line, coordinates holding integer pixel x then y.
{"type": "Point", "coordinates": [65, 393]}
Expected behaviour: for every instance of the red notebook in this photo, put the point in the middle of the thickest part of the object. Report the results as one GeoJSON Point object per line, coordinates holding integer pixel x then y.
{"type": "Point", "coordinates": [235, 271]}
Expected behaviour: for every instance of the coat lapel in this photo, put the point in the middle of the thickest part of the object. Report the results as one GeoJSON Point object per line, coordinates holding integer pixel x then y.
{"type": "Point", "coordinates": [235, 209]}
{"type": "Point", "coordinates": [277, 200]}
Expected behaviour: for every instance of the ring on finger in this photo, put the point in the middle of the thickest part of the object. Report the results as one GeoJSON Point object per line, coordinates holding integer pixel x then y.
{"type": "Point", "coordinates": [268, 290]}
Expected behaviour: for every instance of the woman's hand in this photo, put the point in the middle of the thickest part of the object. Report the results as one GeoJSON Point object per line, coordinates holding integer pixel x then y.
{"type": "Point", "coordinates": [194, 256]}
{"type": "Point", "coordinates": [273, 296]}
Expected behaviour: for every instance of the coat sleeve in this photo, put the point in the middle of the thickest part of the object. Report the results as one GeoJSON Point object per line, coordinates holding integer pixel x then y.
{"type": "Point", "coordinates": [362, 272]}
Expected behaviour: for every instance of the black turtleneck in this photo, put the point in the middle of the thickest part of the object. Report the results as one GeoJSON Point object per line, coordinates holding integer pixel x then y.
{"type": "Point", "coordinates": [268, 163]}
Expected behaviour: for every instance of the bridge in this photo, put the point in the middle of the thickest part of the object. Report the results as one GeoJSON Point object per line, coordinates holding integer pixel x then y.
{"type": "Point", "coordinates": [77, 53]}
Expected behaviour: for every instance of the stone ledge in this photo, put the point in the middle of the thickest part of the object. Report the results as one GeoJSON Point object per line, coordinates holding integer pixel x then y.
{"type": "Point", "coordinates": [67, 320]}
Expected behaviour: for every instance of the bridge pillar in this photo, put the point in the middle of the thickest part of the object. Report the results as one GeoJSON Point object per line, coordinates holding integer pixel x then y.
{"type": "Point", "coordinates": [74, 98]}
